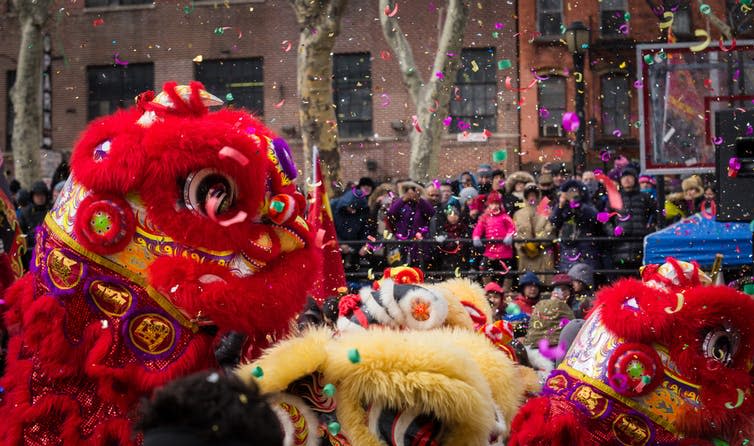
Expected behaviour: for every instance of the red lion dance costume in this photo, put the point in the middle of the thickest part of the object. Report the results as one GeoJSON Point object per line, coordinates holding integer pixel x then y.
{"type": "Point", "coordinates": [665, 362]}
{"type": "Point", "coordinates": [177, 226]}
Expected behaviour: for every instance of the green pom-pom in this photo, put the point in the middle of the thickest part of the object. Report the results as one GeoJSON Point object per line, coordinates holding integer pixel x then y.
{"type": "Point", "coordinates": [257, 372]}
{"type": "Point", "coordinates": [329, 390]}
{"type": "Point", "coordinates": [354, 356]}
{"type": "Point", "coordinates": [334, 428]}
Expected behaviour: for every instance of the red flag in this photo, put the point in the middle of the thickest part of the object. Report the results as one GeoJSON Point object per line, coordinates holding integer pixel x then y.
{"type": "Point", "coordinates": [320, 220]}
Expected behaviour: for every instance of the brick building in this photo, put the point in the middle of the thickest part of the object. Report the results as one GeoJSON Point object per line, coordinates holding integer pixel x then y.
{"type": "Point", "coordinates": [611, 108]}
{"type": "Point", "coordinates": [105, 51]}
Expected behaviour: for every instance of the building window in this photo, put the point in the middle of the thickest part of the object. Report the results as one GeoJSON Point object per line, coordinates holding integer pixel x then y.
{"type": "Point", "coordinates": [114, 87]}
{"type": "Point", "coordinates": [473, 107]}
{"type": "Point", "coordinates": [101, 3]}
{"type": "Point", "coordinates": [352, 94]}
{"type": "Point", "coordinates": [9, 113]}
{"type": "Point", "coordinates": [552, 106]}
{"type": "Point", "coordinates": [238, 82]}
{"type": "Point", "coordinates": [741, 21]}
{"type": "Point", "coordinates": [616, 105]}
{"type": "Point", "coordinates": [612, 17]}
{"type": "Point", "coordinates": [682, 21]}
{"type": "Point", "coordinates": [550, 17]}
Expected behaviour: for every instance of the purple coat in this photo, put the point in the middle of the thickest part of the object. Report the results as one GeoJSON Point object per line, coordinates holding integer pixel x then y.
{"type": "Point", "coordinates": [407, 218]}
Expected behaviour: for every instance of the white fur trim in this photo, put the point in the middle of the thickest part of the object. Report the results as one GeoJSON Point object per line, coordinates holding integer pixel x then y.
{"type": "Point", "coordinates": [393, 309]}
{"type": "Point", "coordinates": [375, 309]}
{"type": "Point", "coordinates": [539, 362]}
{"type": "Point", "coordinates": [500, 430]}
{"type": "Point", "coordinates": [346, 325]}
{"type": "Point", "coordinates": [287, 424]}
{"type": "Point", "coordinates": [438, 308]}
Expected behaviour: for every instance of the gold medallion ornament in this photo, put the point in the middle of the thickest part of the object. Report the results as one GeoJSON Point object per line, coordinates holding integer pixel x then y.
{"type": "Point", "coordinates": [631, 430]}
{"type": "Point", "coordinates": [65, 272]}
{"type": "Point", "coordinates": [112, 299]}
{"type": "Point", "coordinates": [151, 333]}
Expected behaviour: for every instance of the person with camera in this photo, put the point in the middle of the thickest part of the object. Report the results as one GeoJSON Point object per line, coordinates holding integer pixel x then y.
{"type": "Point", "coordinates": [575, 218]}
{"type": "Point", "coordinates": [410, 217]}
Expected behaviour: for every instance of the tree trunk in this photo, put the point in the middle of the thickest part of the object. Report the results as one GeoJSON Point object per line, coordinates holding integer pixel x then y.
{"type": "Point", "coordinates": [319, 23]}
{"type": "Point", "coordinates": [433, 97]}
{"type": "Point", "coordinates": [26, 93]}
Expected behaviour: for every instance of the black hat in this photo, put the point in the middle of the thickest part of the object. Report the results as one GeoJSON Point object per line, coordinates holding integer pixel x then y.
{"type": "Point", "coordinates": [365, 181]}
{"type": "Point", "coordinates": [630, 171]}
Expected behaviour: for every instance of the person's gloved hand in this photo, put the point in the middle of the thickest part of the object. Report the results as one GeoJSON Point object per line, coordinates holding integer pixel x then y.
{"type": "Point", "coordinates": [478, 243]}
{"type": "Point", "coordinates": [508, 240]}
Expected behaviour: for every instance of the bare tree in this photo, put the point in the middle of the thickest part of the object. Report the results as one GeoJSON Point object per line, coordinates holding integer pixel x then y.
{"type": "Point", "coordinates": [665, 5]}
{"type": "Point", "coordinates": [26, 93]}
{"type": "Point", "coordinates": [432, 97]}
{"type": "Point", "coordinates": [319, 25]}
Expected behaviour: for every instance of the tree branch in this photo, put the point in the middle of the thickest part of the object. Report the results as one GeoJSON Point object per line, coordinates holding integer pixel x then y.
{"type": "Point", "coordinates": [402, 51]}
{"type": "Point", "coordinates": [451, 42]}
{"type": "Point", "coordinates": [721, 26]}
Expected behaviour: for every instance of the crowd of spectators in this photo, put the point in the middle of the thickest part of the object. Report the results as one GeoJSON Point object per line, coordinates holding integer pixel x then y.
{"type": "Point", "coordinates": [489, 223]}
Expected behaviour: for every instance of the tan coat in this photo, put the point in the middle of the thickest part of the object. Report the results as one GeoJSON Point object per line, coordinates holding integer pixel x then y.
{"type": "Point", "coordinates": [531, 225]}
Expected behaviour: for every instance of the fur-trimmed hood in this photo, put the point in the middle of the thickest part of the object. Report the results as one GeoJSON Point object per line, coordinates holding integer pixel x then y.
{"type": "Point", "coordinates": [517, 177]}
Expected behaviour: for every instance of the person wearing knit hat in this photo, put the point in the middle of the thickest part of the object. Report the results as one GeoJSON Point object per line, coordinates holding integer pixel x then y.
{"type": "Point", "coordinates": [495, 223]}
{"type": "Point", "coordinates": [546, 186]}
{"type": "Point", "coordinates": [467, 193]}
{"type": "Point", "coordinates": [494, 294]}
{"type": "Point", "coordinates": [680, 205]}
{"type": "Point", "coordinates": [574, 218]}
{"type": "Point", "coordinates": [648, 185]}
{"type": "Point", "coordinates": [532, 223]}
{"type": "Point", "coordinates": [636, 218]}
{"type": "Point", "coordinates": [514, 191]}
{"type": "Point", "coordinates": [531, 292]}
{"type": "Point", "coordinates": [582, 282]}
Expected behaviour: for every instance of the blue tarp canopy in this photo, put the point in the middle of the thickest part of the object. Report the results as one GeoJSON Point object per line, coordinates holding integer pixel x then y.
{"type": "Point", "coordinates": [700, 238]}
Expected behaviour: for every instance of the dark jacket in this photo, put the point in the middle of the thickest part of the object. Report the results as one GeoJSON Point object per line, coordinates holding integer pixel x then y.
{"type": "Point", "coordinates": [351, 225]}
{"type": "Point", "coordinates": [637, 219]}
{"type": "Point", "coordinates": [576, 222]}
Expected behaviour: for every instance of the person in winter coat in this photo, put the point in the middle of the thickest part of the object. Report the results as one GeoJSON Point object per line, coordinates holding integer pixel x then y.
{"type": "Point", "coordinates": [495, 297]}
{"type": "Point", "coordinates": [452, 254]}
{"type": "Point", "coordinates": [582, 283]}
{"type": "Point", "coordinates": [687, 203]}
{"type": "Point", "coordinates": [514, 191]}
{"type": "Point", "coordinates": [574, 217]}
{"type": "Point", "coordinates": [467, 179]}
{"type": "Point", "coordinates": [637, 218]}
{"type": "Point", "coordinates": [648, 185]}
{"type": "Point", "coordinates": [546, 187]}
{"type": "Point", "coordinates": [351, 214]}
{"type": "Point", "coordinates": [531, 292]}
{"type": "Point", "coordinates": [410, 216]}
{"type": "Point", "coordinates": [496, 224]}
{"type": "Point", "coordinates": [596, 190]}
{"type": "Point", "coordinates": [33, 214]}
{"type": "Point", "coordinates": [530, 224]}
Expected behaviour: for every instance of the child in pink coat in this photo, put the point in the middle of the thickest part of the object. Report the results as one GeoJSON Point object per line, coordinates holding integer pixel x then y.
{"type": "Point", "coordinates": [495, 223]}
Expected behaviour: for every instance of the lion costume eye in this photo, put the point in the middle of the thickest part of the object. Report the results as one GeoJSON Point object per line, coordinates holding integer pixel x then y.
{"type": "Point", "coordinates": [721, 345]}
{"type": "Point", "coordinates": [209, 192]}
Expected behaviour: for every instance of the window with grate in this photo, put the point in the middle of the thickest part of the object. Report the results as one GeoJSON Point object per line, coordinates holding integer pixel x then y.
{"type": "Point", "coordinates": [550, 17]}
{"type": "Point", "coordinates": [114, 87]}
{"type": "Point", "coordinates": [100, 3]}
{"type": "Point", "coordinates": [352, 94]}
{"type": "Point", "coordinates": [238, 82]}
{"type": "Point", "coordinates": [741, 20]}
{"type": "Point", "coordinates": [682, 21]}
{"type": "Point", "coordinates": [473, 105]}
{"type": "Point", "coordinates": [616, 104]}
{"type": "Point", "coordinates": [551, 93]}
{"type": "Point", "coordinates": [612, 17]}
